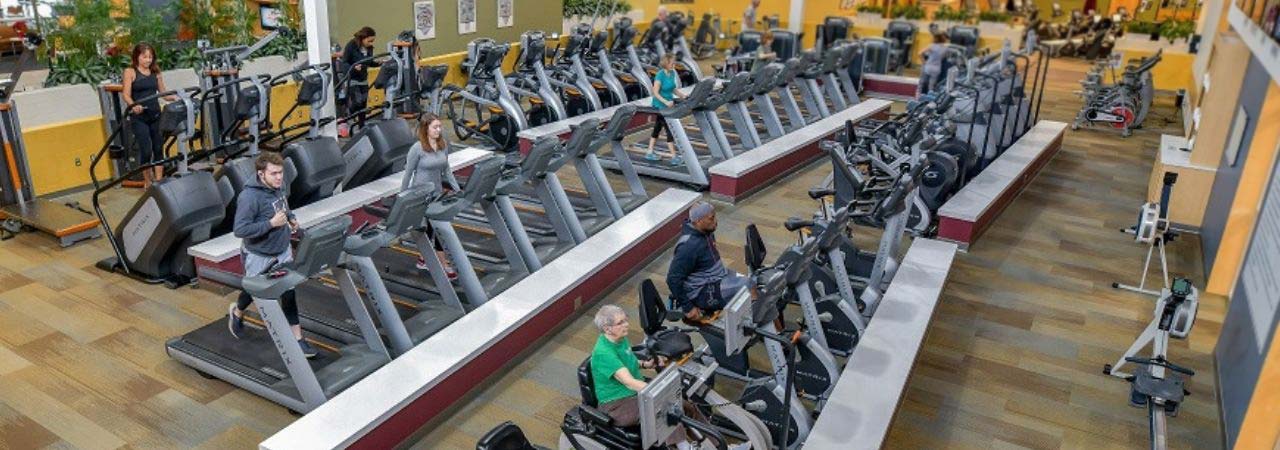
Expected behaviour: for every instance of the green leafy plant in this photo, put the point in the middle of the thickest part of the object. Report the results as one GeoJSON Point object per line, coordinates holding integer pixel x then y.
{"type": "Point", "coordinates": [580, 8]}
{"type": "Point", "coordinates": [292, 39]}
{"type": "Point", "coordinates": [947, 13]}
{"type": "Point", "coordinates": [871, 9]}
{"type": "Point", "coordinates": [994, 16]}
{"type": "Point", "coordinates": [1137, 27]}
{"type": "Point", "coordinates": [1177, 29]}
{"type": "Point", "coordinates": [909, 12]}
{"type": "Point", "coordinates": [233, 23]}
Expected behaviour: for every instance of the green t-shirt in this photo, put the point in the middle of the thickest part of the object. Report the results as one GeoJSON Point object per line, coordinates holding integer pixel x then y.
{"type": "Point", "coordinates": [606, 358]}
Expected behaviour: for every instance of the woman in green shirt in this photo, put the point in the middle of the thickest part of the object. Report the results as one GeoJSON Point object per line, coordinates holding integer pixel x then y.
{"type": "Point", "coordinates": [616, 374]}
{"type": "Point", "coordinates": [664, 96]}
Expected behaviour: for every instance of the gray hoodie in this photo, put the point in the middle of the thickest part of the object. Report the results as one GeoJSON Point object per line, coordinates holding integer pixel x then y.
{"type": "Point", "coordinates": [254, 207]}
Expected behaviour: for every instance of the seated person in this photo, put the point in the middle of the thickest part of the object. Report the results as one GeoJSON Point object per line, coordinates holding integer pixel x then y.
{"type": "Point", "coordinates": [697, 278]}
{"type": "Point", "coordinates": [616, 374]}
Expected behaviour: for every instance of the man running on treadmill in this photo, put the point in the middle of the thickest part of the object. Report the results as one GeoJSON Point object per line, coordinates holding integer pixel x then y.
{"type": "Point", "coordinates": [265, 223]}
{"type": "Point", "coordinates": [697, 278]}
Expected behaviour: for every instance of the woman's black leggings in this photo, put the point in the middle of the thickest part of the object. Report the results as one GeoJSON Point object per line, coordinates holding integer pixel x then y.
{"type": "Point", "coordinates": [147, 141]}
{"type": "Point", "coordinates": [288, 302]}
{"type": "Point", "coordinates": [660, 125]}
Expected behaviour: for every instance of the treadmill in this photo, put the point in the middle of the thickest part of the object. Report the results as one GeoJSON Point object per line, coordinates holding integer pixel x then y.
{"type": "Point", "coordinates": [544, 205]}
{"type": "Point", "coordinates": [402, 322]}
{"type": "Point", "coordinates": [765, 80]}
{"type": "Point", "coordinates": [591, 173]}
{"type": "Point", "coordinates": [263, 362]}
{"type": "Point", "coordinates": [479, 281]}
{"type": "Point", "coordinates": [693, 170]}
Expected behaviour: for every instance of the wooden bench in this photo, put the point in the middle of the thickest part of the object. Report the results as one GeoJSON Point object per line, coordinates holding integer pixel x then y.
{"type": "Point", "coordinates": [871, 387]}
{"type": "Point", "coordinates": [969, 213]}
{"type": "Point", "coordinates": [889, 87]}
{"type": "Point", "coordinates": [390, 405]}
{"type": "Point", "coordinates": [218, 259]}
{"type": "Point", "coordinates": [742, 175]}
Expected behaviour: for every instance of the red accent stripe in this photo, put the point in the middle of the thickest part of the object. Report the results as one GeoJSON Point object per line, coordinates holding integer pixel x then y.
{"type": "Point", "coordinates": [881, 86]}
{"type": "Point", "coordinates": [407, 421]}
{"type": "Point", "coordinates": [966, 232]}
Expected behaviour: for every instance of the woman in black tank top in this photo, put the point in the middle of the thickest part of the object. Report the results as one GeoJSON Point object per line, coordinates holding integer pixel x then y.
{"type": "Point", "coordinates": [141, 80]}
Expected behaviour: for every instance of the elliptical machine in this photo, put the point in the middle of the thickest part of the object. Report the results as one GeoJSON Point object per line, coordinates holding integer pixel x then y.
{"type": "Point", "coordinates": [484, 107]}
{"type": "Point", "coordinates": [902, 41]}
{"type": "Point", "coordinates": [173, 214]}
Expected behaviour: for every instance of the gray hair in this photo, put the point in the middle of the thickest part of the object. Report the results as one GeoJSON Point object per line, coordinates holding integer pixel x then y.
{"type": "Point", "coordinates": [607, 315]}
{"type": "Point", "coordinates": [700, 210]}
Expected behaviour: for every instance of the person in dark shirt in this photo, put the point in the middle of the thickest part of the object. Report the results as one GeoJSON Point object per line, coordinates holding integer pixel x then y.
{"type": "Point", "coordinates": [142, 81]}
{"type": "Point", "coordinates": [699, 282]}
{"type": "Point", "coordinates": [264, 223]}
{"type": "Point", "coordinates": [355, 58]}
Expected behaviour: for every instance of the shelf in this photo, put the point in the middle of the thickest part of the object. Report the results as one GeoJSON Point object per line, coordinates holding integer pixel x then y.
{"type": "Point", "coordinates": [1265, 49]}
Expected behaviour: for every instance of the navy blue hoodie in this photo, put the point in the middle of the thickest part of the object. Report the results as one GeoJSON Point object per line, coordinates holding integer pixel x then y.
{"type": "Point", "coordinates": [255, 206]}
{"type": "Point", "coordinates": [695, 266]}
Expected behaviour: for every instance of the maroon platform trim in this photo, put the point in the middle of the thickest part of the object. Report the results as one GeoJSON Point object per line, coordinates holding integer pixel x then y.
{"type": "Point", "coordinates": [966, 232]}
{"type": "Point", "coordinates": [873, 85]}
{"type": "Point", "coordinates": [407, 421]}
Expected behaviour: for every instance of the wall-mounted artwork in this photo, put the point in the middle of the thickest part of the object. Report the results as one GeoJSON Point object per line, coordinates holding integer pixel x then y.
{"type": "Point", "coordinates": [466, 16]}
{"type": "Point", "coordinates": [424, 19]}
{"type": "Point", "coordinates": [506, 13]}
{"type": "Point", "coordinates": [269, 17]}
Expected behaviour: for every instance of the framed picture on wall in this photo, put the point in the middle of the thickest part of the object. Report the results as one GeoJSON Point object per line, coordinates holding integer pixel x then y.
{"type": "Point", "coordinates": [424, 19]}
{"type": "Point", "coordinates": [269, 17]}
{"type": "Point", "coordinates": [466, 16]}
{"type": "Point", "coordinates": [506, 13]}
{"type": "Point", "coordinates": [1237, 135]}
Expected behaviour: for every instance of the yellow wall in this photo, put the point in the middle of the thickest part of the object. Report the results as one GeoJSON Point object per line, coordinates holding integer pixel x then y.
{"type": "Point", "coordinates": [58, 154]}
{"type": "Point", "coordinates": [1261, 427]}
{"type": "Point", "coordinates": [1254, 179]}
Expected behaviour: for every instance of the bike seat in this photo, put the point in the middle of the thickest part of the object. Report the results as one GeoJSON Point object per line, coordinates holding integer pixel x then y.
{"type": "Point", "coordinates": [796, 223]}
{"type": "Point", "coordinates": [817, 193]}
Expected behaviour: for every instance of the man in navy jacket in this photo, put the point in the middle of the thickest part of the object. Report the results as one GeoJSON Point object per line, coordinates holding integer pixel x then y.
{"type": "Point", "coordinates": [698, 280]}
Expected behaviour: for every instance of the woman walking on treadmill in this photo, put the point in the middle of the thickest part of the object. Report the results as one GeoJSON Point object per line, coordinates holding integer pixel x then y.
{"type": "Point", "coordinates": [142, 79]}
{"type": "Point", "coordinates": [427, 166]}
{"type": "Point", "coordinates": [359, 48]}
{"type": "Point", "coordinates": [664, 93]}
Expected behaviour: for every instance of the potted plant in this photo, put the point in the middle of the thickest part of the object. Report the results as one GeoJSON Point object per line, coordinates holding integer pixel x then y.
{"type": "Point", "coordinates": [870, 13]}
{"type": "Point", "coordinates": [907, 12]}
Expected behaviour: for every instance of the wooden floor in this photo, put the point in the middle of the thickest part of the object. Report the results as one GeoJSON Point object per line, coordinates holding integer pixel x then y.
{"type": "Point", "coordinates": [1012, 361]}
{"type": "Point", "coordinates": [1014, 356]}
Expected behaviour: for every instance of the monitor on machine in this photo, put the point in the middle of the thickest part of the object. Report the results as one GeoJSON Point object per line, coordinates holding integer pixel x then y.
{"type": "Point", "coordinates": [660, 407]}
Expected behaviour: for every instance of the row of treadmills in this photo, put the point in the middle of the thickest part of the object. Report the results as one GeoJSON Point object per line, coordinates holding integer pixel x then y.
{"type": "Point", "coordinates": [363, 301]}
{"type": "Point", "coordinates": [733, 116]}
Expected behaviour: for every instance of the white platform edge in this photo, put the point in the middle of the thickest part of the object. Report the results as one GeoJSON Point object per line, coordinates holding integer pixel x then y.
{"type": "Point", "coordinates": [871, 387]}
{"type": "Point", "coordinates": [351, 414]}
{"type": "Point", "coordinates": [975, 197]}
{"type": "Point", "coordinates": [562, 126]}
{"type": "Point", "coordinates": [227, 246]}
{"type": "Point", "coordinates": [770, 151]}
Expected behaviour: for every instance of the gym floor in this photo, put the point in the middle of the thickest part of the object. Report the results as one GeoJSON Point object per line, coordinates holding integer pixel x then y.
{"type": "Point", "coordinates": [1013, 358]}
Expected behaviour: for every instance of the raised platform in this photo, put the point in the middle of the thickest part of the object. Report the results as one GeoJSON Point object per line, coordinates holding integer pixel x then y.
{"type": "Point", "coordinates": [889, 87]}
{"type": "Point", "coordinates": [742, 175]}
{"type": "Point", "coordinates": [219, 258]}
{"type": "Point", "coordinates": [561, 128]}
{"type": "Point", "coordinates": [391, 404]}
{"type": "Point", "coordinates": [874, 380]}
{"type": "Point", "coordinates": [969, 213]}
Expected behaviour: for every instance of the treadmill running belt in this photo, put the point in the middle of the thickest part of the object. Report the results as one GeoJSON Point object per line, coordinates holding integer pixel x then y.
{"type": "Point", "coordinates": [253, 355]}
{"type": "Point", "coordinates": [323, 304]}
